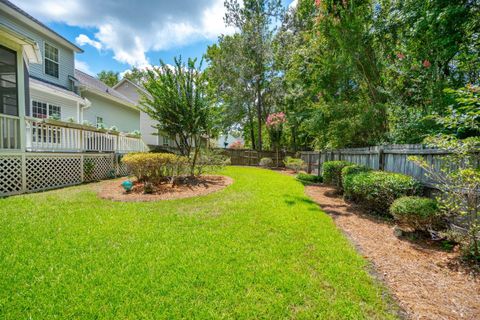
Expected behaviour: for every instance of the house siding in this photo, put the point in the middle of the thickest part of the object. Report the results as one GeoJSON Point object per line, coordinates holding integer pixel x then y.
{"type": "Point", "coordinates": [114, 114]}
{"type": "Point", "coordinates": [66, 56]}
{"type": "Point", "coordinates": [149, 134]}
{"type": "Point", "coordinates": [69, 107]}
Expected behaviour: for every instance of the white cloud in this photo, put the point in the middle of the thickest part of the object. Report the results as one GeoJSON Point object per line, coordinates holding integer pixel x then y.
{"type": "Point", "coordinates": [82, 40]}
{"type": "Point", "coordinates": [293, 4]}
{"type": "Point", "coordinates": [83, 66]}
{"type": "Point", "coordinates": [131, 28]}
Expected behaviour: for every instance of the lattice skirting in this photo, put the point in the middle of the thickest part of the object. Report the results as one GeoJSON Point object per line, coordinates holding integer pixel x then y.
{"type": "Point", "coordinates": [11, 175]}
{"type": "Point", "coordinates": [31, 172]}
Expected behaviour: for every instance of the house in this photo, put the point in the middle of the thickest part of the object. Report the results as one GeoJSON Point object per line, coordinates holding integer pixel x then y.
{"type": "Point", "coordinates": [150, 135]}
{"type": "Point", "coordinates": [43, 102]}
{"type": "Point", "coordinates": [107, 106]}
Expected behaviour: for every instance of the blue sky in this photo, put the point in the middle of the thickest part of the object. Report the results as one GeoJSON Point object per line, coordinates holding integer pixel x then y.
{"type": "Point", "coordinates": [118, 34]}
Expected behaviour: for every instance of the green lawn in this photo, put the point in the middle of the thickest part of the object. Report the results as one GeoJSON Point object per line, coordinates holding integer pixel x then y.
{"type": "Point", "coordinates": [258, 249]}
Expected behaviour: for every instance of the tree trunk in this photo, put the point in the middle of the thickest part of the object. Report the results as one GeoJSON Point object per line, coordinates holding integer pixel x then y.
{"type": "Point", "coordinates": [252, 131]}
{"type": "Point", "coordinates": [259, 115]}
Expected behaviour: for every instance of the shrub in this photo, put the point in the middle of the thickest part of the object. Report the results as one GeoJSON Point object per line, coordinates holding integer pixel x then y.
{"type": "Point", "coordinates": [294, 163]}
{"type": "Point", "coordinates": [347, 174]}
{"type": "Point", "coordinates": [376, 190]}
{"type": "Point", "coordinates": [266, 162]}
{"type": "Point", "coordinates": [416, 212]}
{"type": "Point", "coordinates": [332, 172]}
{"type": "Point", "coordinates": [155, 167]}
{"type": "Point", "coordinates": [210, 159]}
{"type": "Point", "coordinates": [305, 177]}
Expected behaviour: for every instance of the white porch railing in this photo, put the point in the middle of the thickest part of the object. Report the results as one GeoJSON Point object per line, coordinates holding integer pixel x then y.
{"type": "Point", "coordinates": [9, 132]}
{"type": "Point", "coordinates": [56, 136]}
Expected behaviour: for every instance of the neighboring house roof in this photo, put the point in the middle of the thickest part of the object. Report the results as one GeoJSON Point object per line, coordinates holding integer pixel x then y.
{"type": "Point", "coordinates": [139, 87]}
{"type": "Point", "coordinates": [92, 84]}
{"type": "Point", "coordinates": [39, 26]}
{"type": "Point", "coordinates": [46, 86]}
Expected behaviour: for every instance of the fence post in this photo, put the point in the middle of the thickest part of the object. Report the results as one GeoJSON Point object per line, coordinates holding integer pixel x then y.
{"type": "Point", "coordinates": [318, 163]}
{"type": "Point", "coordinates": [381, 158]}
{"type": "Point", "coordinates": [309, 166]}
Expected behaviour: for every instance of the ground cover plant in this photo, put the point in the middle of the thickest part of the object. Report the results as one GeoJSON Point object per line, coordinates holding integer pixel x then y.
{"type": "Point", "coordinates": [258, 249]}
{"type": "Point", "coordinates": [305, 177]}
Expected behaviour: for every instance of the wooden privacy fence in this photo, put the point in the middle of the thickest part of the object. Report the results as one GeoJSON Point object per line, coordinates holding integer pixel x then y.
{"type": "Point", "coordinates": [244, 157]}
{"type": "Point", "coordinates": [393, 158]}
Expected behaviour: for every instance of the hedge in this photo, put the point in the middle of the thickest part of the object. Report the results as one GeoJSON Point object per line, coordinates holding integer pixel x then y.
{"type": "Point", "coordinates": [332, 172]}
{"type": "Point", "coordinates": [155, 167]}
{"type": "Point", "coordinates": [347, 174]}
{"type": "Point", "coordinates": [376, 190]}
{"type": "Point", "coordinates": [416, 212]}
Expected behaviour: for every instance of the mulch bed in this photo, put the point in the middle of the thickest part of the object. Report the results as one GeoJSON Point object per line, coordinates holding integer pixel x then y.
{"type": "Point", "coordinates": [427, 282]}
{"type": "Point", "coordinates": [203, 185]}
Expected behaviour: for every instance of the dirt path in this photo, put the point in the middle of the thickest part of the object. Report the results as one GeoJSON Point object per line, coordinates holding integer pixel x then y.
{"type": "Point", "coordinates": [425, 281]}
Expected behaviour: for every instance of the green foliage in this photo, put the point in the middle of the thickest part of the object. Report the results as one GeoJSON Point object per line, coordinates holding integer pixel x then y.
{"type": "Point", "coordinates": [348, 172]}
{"type": "Point", "coordinates": [376, 190]}
{"type": "Point", "coordinates": [241, 68]}
{"type": "Point", "coordinates": [177, 100]}
{"type": "Point", "coordinates": [156, 167]}
{"type": "Point", "coordinates": [359, 73]}
{"type": "Point", "coordinates": [136, 75]}
{"type": "Point", "coordinates": [332, 172]}
{"type": "Point", "coordinates": [266, 162]}
{"type": "Point", "coordinates": [305, 177]}
{"type": "Point", "coordinates": [416, 213]}
{"type": "Point", "coordinates": [110, 78]}
{"type": "Point", "coordinates": [462, 118]}
{"type": "Point", "coordinates": [295, 164]}
{"type": "Point", "coordinates": [458, 179]}
{"type": "Point", "coordinates": [210, 160]}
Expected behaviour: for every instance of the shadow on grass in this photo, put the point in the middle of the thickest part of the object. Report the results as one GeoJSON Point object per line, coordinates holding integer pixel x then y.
{"type": "Point", "coordinates": [294, 200]}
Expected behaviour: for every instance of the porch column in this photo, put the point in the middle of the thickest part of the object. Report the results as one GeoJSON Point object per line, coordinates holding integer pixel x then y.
{"type": "Point", "coordinates": [21, 99]}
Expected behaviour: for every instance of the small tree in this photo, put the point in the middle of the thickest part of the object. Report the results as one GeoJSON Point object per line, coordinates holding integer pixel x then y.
{"type": "Point", "coordinates": [458, 179]}
{"type": "Point", "coordinates": [274, 124]}
{"type": "Point", "coordinates": [177, 100]}
{"type": "Point", "coordinates": [110, 78]}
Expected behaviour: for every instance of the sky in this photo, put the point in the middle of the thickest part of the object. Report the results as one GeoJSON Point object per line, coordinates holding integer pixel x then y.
{"type": "Point", "coordinates": [118, 34]}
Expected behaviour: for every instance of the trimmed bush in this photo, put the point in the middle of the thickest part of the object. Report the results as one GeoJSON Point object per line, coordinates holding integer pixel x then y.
{"type": "Point", "coordinates": [305, 177]}
{"type": "Point", "coordinates": [376, 190]}
{"type": "Point", "coordinates": [155, 167]}
{"type": "Point", "coordinates": [295, 164]}
{"type": "Point", "coordinates": [347, 174]}
{"type": "Point", "coordinates": [332, 172]}
{"type": "Point", "coordinates": [266, 162]}
{"type": "Point", "coordinates": [416, 212]}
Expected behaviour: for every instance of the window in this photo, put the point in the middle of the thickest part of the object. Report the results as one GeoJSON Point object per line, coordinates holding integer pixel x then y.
{"type": "Point", "coordinates": [165, 141]}
{"type": "Point", "coordinates": [54, 111]}
{"type": "Point", "coordinates": [51, 60]}
{"type": "Point", "coordinates": [39, 110]}
{"type": "Point", "coordinates": [8, 82]}
{"type": "Point", "coordinates": [43, 110]}
{"type": "Point", "coordinates": [99, 121]}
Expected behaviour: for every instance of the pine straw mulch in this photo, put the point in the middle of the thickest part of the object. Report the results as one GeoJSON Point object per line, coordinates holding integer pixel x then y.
{"type": "Point", "coordinates": [185, 188]}
{"type": "Point", "coordinates": [427, 282]}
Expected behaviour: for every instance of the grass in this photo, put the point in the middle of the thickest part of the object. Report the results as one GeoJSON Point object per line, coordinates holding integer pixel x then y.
{"type": "Point", "coordinates": [258, 249]}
